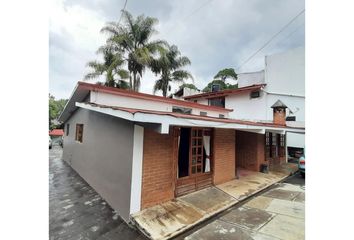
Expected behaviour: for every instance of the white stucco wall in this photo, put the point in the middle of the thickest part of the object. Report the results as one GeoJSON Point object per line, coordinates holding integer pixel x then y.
{"type": "Point", "coordinates": [295, 140]}
{"type": "Point", "coordinates": [295, 104]}
{"type": "Point", "coordinates": [285, 72]}
{"type": "Point", "coordinates": [245, 107]}
{"type": "Point", "coordinates": [129, 102]}
{"type": "Point", "coordinates": [251, 78]}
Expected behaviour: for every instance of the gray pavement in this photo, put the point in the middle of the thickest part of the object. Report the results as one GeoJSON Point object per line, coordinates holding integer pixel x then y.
{"type": "Point", "coordinates": [276, 213]}
{"type": "Point", "coordinates": [76, 211]}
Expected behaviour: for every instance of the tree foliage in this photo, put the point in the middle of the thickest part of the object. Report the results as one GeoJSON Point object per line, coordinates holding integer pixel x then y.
{"type": "Point", "coordinates": [55, 108]}
{"type": "Point", "coordinates": [111, 68]}
{"type": "Point", "coordinates": [222, 84]}
{"type": "Point", "coordinates": [188, 85]}
{"type": "Point", "coordinates": [169, 67]}
{"type": "Point", "coordinates": [132, 40]}
{"type": "Point", "coordinates": [226, 73]}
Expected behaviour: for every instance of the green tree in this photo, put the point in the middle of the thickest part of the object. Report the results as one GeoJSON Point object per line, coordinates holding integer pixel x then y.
{"type": "Point", "coordinates": [132, 39]}
{"type": "Point", "coordinates": [222, 84]}
{"type": "Point", "coordinates": [168, 66]}
{"type": "Point", "coordinates": [226, 73]}
{"type": "Point", "coordinates": [111, 68]}
{"type": "Point", "coordinates": [55, 108]}
{"type": "Point", "coordinates": [188, 85]}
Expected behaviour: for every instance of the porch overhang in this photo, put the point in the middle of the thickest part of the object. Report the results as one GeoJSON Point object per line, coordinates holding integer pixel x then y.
{"type": "Point", "coordinates": [163, 120]}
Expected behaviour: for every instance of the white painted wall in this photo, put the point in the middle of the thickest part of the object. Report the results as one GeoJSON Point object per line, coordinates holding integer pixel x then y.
{"type": "Point", "coordinates": [246, 108]}
{"type": "Point", "coordinates": [295, 104]}
{"type": "Point", "coordinates": [251, 78]}
{"type": "Point", "coordinates": [137, 170]}
{"type": "Point", "coordinates": [295, 140]}
{"type": "Point", "coordinates": [285, 72]}
{"type": "Point", "coordinates": [129, 102]}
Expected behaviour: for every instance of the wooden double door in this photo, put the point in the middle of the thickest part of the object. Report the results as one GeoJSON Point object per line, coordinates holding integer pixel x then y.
{"type": "Point", "coordinates": [193, 157]}
{"type": "Point", "coordinates": [274, 148]}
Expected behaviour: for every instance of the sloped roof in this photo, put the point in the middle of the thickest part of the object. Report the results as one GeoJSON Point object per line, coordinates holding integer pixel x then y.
{"type": "Point", "coordinates": [56, 132]}
{"type": "Point", "coordinates": [82, 89]}
{"type": "Point", "coordinates": [226, 92]}
{"type": "Point", "coordinates": [278, 104]}
{"type": "Point", "coordinates": [191, 116]}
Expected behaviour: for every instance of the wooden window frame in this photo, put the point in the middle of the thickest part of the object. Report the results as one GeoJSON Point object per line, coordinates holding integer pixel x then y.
{"type": "Point", "coordinates": [79, 132]}
{"type": "Point", "coordinates": [281, 145]}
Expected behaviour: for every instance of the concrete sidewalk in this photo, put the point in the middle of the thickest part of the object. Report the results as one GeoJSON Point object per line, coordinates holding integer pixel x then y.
{"type": "Point", "coordinates": [278, 214]}
{"type": "Point", "coordinates": [171, 218]}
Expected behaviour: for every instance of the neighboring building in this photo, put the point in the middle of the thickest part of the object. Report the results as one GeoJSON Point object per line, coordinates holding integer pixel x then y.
{"type": "Point", "coordinates": [138, 150]}
{"type": "Point", "coordinates": [283, 79]}
{"type": "Point", "coordinates": [56, 135]}
{"type": "Point", "coordinates": [184, 92]}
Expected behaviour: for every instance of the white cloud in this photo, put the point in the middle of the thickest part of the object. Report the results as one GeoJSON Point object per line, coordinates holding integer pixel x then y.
{"type": "Point", "coordinates": [218, 35]}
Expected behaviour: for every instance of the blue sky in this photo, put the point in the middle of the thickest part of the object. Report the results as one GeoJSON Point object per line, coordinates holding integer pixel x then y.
{"type": "Point", "coordinates": [220, 34]}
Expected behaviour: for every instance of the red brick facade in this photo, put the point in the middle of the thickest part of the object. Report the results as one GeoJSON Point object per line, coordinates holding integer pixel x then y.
{"type": "Point", "coordinates": [224, 155]}
{"type": "Point", "coordinates": [157, 183]}
{"type": "Point", "coordinates": [158, 180]}
{"type": "Point", "coordinates": [249, 150]}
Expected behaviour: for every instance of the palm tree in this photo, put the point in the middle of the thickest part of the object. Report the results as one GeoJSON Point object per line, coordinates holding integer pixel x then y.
{"type": "Point", "coordinates": [110, 67]}
{"type": "Point", "coordinates": [168, 67]}
{"type": "Point", "coordinates": [132, 40]}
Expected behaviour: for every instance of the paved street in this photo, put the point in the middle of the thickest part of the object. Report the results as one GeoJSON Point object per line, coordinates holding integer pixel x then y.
{"type": "Point", "coordinates": [277, 213]}
{"type": "Point", "coordinates": [76, 211]}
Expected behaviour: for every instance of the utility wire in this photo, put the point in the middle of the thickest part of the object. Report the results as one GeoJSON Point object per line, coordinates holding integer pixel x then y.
{"type": "Point", "coordinates": [192, 13]}
{"type": "Point", "coordinates": [290, 34]}
{"type": "Point", "coordinates": [197, 9]}
{"type": "Point", "coordinates": [271, 39]}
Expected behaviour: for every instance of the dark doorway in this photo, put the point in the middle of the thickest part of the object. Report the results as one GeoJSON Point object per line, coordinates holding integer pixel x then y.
{"type": "Point", "coordinates": [183, 153]}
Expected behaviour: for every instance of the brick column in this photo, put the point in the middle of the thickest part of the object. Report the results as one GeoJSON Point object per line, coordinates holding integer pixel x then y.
{"type": "Point", "coordinates": [224, 155]}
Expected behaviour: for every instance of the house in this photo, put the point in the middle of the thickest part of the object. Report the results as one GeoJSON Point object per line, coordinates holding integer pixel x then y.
{"type": "Point", "coordinates": [138, 150]}
{"type": "Point", "coordinates": [56, 135]}
{"type": "Point", "coordinates": [184, 92]}
{"type": "Point", "coordinates": [283, 78]}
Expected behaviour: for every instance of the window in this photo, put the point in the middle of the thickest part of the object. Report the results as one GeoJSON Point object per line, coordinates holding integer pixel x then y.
{"type": "Point", "coordinates": [218, 102]}
{"type": "Point", "coordinates": [181, 110]}
{"type": "Point", "coordinates": [255, 94]}
{"type": "Point", "coordinates": [203, 113]}
{"type": "Point", "coordinates": [67, 129]}
{"type": "Point", "coordinates": [79, 132]}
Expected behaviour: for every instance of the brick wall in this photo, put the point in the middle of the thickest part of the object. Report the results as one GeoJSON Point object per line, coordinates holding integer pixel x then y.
{"type": "Point", "coordinates": [224, 155]}
{"type": "Point", "coordinates": [279, 117]}
{"type": "Point", "coordinates": [249, 150]}
{"type": "Point", "coordinates": [157, 168]}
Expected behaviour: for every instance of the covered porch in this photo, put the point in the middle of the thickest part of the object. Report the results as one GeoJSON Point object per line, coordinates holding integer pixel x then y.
{"type": "Point", "coordinates": [173, 217]}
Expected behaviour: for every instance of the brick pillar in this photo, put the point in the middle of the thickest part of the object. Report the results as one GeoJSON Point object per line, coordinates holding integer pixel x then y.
{"type": "Point", "coordinates": [224, 155]}
{"type": "Point", "coordinates": [157, 186]}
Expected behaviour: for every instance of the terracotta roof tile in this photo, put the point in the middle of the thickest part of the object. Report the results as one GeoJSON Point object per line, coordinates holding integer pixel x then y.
{"type": "Point", "coordinates": [225, 92]}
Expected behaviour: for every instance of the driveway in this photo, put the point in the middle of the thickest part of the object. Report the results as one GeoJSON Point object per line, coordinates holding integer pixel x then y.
{"type": "Point", "coordinates": [277, 213]}
{"type": "Point", "coordinates": [76, 211]}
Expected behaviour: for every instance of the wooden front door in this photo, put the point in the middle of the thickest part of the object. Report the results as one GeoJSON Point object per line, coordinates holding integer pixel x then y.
{"type": "Point", "coordinates": [197, 177]}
